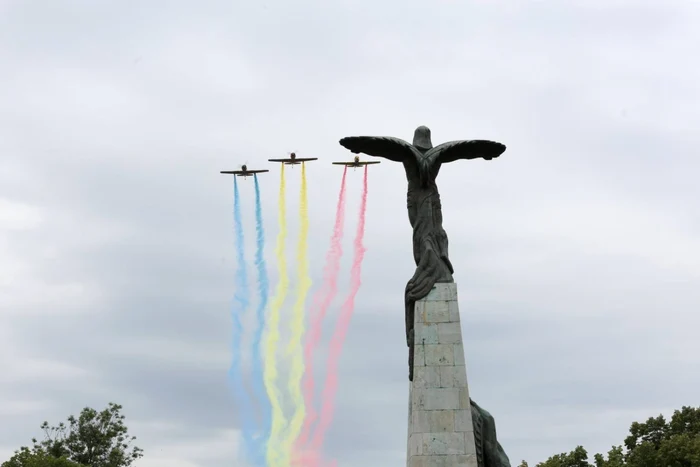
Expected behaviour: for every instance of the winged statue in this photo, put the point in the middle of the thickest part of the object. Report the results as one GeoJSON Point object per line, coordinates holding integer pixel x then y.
{"type": "Point", "coordinates": [422, 163]}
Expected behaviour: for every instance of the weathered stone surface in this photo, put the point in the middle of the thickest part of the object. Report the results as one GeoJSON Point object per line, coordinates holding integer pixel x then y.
{"type": "Point", "coordinates": [419, 356]}
{"type": "Point", "coordinates": [427, 377]}
{"type": "Point", "coordinates": [443, 461]}
{"type": "Point", "coordinates": [428, 333]}
{"type": "Point", "coordinates": [441, 292]}
{"type": "Point", "coordinates": [415, 444]}
{"type": "Point", "coordinates": [439, 354]}
{"type": "Point", "coordinates": [441, 399]}
{"type": "Point", "coordinates": [443, 443]}
{"type": "Point", "coordinates": [448, 333]}
{"type": "Point", "coordinates": [443, 421]}
{"type": "Point", "coordinates": [458, 357]}
{"type": "Point", "coordinates": [454, 311]}
{"type": "Point", "coordinates": [440, 412]}
{"type": "Point", "coordinates": [463, 420]}
{"type": "Point", "coordinates": [435, 312]}
{"type": "Point", "coordinates": [464, 398]}
{"type": "Point", "coordinates": [453, 376]}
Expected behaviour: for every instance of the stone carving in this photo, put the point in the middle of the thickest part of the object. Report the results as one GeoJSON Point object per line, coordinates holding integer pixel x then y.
{"type": "Point", "coordinates": [489, 452]}
{"type": "Point", "coordinates": [422, 163]}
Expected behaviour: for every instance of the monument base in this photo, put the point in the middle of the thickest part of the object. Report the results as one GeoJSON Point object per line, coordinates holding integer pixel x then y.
{"type": "Point", "coordinates": [440, 428]}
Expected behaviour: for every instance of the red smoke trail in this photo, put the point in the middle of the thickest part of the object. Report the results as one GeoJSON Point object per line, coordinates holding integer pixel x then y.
{"type": "Point", "coordinates": [336, 346]}
{"type": "Point", "coordinates": [321, 302]}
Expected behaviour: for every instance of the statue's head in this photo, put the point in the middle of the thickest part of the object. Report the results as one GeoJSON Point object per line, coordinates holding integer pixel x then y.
{"type": "Point", "coordinates": [421, 138]}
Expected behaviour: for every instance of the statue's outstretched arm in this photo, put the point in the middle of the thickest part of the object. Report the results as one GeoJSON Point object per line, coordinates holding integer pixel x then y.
{"type": "Point", "coordinates": [394, 149]}
{"type": "Point", "coordinates": [467, 149]}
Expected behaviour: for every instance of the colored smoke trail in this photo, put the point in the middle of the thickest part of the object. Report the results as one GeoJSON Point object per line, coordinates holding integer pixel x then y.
{"type": "Point", "coordinates": [240, 305]}
{"type": "Point", "coordinates": [336, 346]}
{"type": "Point", "coordinates": [279, 422]}
{"type": "Point", "coordinates": [260, 441]}
{"type": "Point", "coordinates": [294, 349]}
{"type": "Point", "coordinates": [321, 302]}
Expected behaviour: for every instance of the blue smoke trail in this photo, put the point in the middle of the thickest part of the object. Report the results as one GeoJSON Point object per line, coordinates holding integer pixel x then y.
{"type": "Point", "coordinates": [259, 453]}
{"type": "Point", "coordinates": [241, 302]}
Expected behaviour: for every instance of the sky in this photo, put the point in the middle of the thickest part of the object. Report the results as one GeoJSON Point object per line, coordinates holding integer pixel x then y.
{"type": "Point", "coordinates": [577, 252]}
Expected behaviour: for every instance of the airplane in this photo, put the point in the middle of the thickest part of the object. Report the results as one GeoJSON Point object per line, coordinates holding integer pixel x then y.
{"type": "Point", "coordinates": [356, 163]}
{"type": "Point", "coordinates": [244, 172]}
{"type": "Point", "coordinates": [292, 160]}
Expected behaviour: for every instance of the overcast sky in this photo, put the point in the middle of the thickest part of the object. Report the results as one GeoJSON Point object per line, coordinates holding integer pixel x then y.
{"type": "Point", "coordinates": [577, 252]}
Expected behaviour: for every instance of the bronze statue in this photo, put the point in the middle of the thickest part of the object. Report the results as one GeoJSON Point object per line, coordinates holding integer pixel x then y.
{"type": "Point", "coordinates": [422, 163]}
{"type": "Point", "coordinates": [489, 452]}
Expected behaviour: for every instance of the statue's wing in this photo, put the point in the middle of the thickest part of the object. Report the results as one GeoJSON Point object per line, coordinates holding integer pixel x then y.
{"type": "Point", "coordinates": [467, 149]}
{"type": "Point", "coordinates": [394, 149]}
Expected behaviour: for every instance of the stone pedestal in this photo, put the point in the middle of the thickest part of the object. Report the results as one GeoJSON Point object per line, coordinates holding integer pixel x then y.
{"type": "Point", "coordinates": [440, 429]}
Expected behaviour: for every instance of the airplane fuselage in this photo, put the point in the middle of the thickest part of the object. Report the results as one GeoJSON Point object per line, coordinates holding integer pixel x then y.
{"type": "Point", "coordinates": [244, 172]}
{"type": "Point", "coordinates": [292, 160]}
{"type": "Point", "coordinates": [356, 163]}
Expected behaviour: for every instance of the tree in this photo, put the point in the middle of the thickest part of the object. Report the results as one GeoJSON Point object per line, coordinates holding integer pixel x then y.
{"type": "Point", "coordinates": [654, 443]}
{"type": "Point", "coordinates": [576, 458]}
{"type": "Point", "coordinates": [616, 458]}
{"type": "Point", "coordinates": [27, 458]}
{"type": "Point", "coordinates": [94, 439]}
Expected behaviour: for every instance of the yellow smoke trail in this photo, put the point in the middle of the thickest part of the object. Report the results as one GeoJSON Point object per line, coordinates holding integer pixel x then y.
{"type": "Point", "coordinates": [270, 373]}
{"type": "Point", "coordinates": [295, 349]}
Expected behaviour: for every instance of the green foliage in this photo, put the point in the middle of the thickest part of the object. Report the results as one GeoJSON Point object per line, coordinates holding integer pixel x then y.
{"type": "Point", "coordinates": [576, 458]}
{"type": "Point", "coordinates": [616, 458]}
{"type": "Point", "coordinates": [94, 439]}
{"type": "Point", "coordinates": [28, 458]}
{"type": "Point", "coordinates": [675, 443]}
{"type": "Point", "coordinates": [654, 443]}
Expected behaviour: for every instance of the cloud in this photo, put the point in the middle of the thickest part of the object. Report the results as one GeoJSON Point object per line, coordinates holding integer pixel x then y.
{"type": "Point", "coordinates": [576, 252]}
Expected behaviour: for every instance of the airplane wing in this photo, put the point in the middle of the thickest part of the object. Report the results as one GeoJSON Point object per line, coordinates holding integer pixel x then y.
{"type": "Point", "coordinates": [235, 172]}
{"type": "Point", "coordinates": [305, 159]}
{"type": "Point", "coordinates": [369, 162]}
{"type": "Point", "coordinates": [280, 160]}
{"type": "Point", "coordinates": [257, 171]}
{"type": "Point", "coordinates": [343, 163]}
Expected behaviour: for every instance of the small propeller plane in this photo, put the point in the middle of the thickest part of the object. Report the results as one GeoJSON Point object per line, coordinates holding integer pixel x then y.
{"type": "Point", "coordinates": [244, 172]}
{"type": "Point", "coordinates": [293, 160]}
{"type": "Point", "coordinates": [356, 163]}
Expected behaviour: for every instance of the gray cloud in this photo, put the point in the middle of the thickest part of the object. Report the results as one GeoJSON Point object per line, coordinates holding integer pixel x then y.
{"type": "Point", "coordinates": [577, 252]}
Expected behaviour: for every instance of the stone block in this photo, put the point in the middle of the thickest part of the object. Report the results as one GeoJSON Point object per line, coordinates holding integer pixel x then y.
{"type": "Point", "coordinates": [458, 357]}
{"type": "Point", "coordinates": [439, 399]}
{"type": "Point", "coordinates": [442, 292]}
{"type": "Point", "coordinates": [470, 442]}
{"type": "Point", "coordinates": [426, 377]}
{"type": "Point", "coordinates": [443, 443]}
{"type": "Point", "coordinates": [415, 444]}
{"type": "Point", "coordinates": [433, 421]}
{"type": "Point", "coordinates": [454, 311]}
{"type": "Point", "coordinates": [436, 312]}
{"type": "Point", "coordinates": [467, 460]}
{"type": "Point", "coordinates": [418, 399]}
{"type": "Point", "coordinates": [439, 354]}
{"type": "Point", "coordinates": [441, 421]}
{"type": "Point", "coordinates": [463, 420]}
{"type": "Point", "coordinates": [447, 333]}
{"type": "Point", "coordinates": [464, 398]}
{"type": "Point", "coordinates": [458, 460]}
{"type": "Point", "coordinates": [453, 376]}
{"type": "Point", "coordinates": [426, 333]}
{"type": "Point", "coordinates": [418, 355]}
{"type": "Point", "coordinates": [419, 421]}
